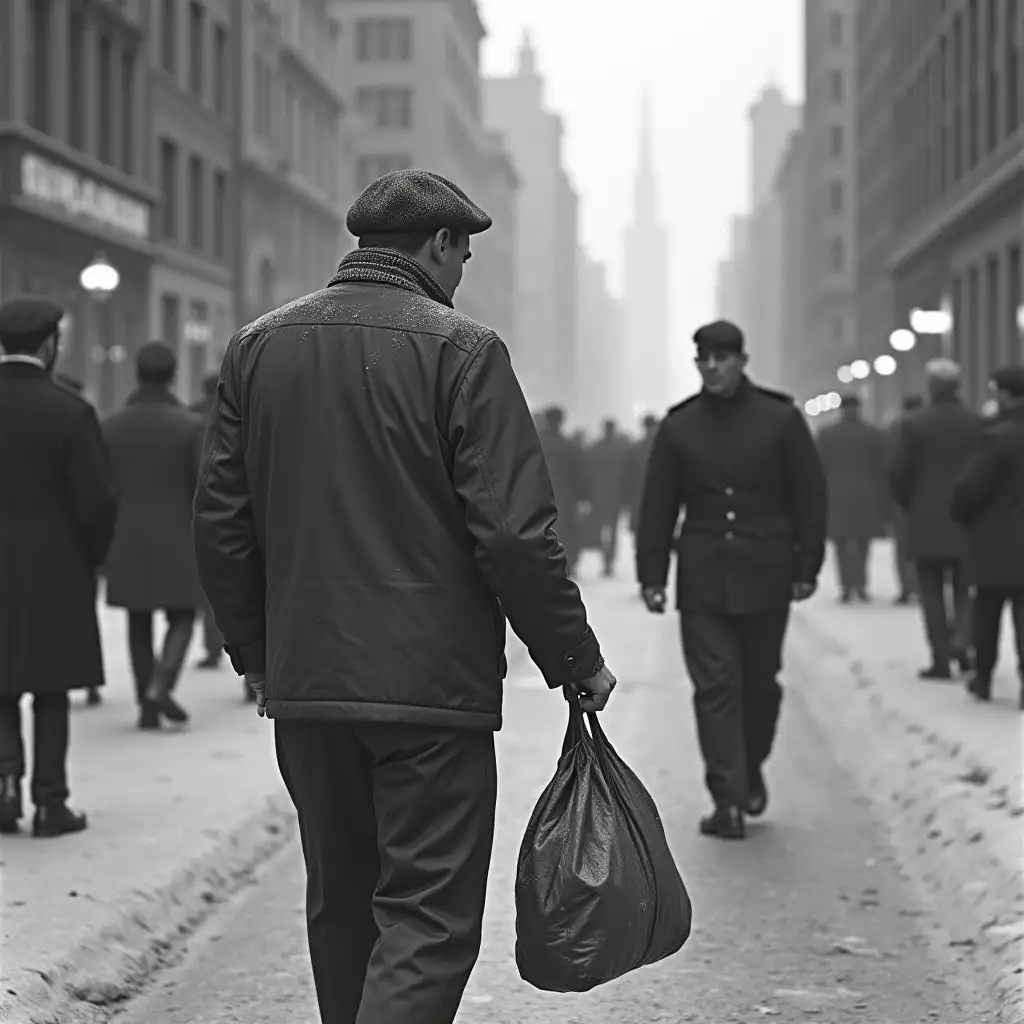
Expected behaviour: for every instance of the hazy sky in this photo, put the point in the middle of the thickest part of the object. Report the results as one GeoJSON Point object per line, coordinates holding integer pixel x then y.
{"type": "Point", "coordinates": [703, 61]}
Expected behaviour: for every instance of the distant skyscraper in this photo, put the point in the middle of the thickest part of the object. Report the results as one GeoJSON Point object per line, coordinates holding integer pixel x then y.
{"type": "Point", "coordinates": [647, 366]}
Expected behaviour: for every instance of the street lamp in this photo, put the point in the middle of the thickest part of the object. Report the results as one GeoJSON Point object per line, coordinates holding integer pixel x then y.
{"type": "Point", "coordinates": [812, 407]}
{"type": "Point", "coordinates": [931, 321]}
{"type": "Point", "coordinates": [845, 375]}
{"type": "Point", "coordinates": [902, 340]}
{"type": "Point", "coordinates": [832, 400]}
{"type": "Point", "coordinates": [861, 369]}
{"type": "Point", "coordinates": [100, 278]}
{"type": "Point", "coordinates": [885, 366]}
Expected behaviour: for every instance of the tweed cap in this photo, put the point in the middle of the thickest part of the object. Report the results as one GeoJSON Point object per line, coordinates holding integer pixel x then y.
{"type": "Point", "coordinates": [414, 200]}
{"type": "Point", "coordinates": [719, 336]}
{"type": "Point", "coordinates": [1011, 380]}
{"type": "Point", "coordinates": [155, 361]}
{"type": "Point", "coordinates": [29, 318]}
{"type": "Point", "coordinates": [942, 369]}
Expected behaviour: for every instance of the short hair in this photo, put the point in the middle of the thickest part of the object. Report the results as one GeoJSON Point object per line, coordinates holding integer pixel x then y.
{"type": "Point", "coordinates": [155, 363]}
{"type": "Point", "coordinates": [409, 242]}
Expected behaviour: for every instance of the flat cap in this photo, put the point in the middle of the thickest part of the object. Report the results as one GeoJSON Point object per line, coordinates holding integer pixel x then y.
{"type": "Point", "coordinates": [721, 336]}
{"type": "Point", "coordinates": [28, 318]}
{"type": "Point", "coordinates": [155, 360]}
{"type": "Point", "coordinates": [942, 369]}
{"type": "Point", "coordinates": [414, 200]}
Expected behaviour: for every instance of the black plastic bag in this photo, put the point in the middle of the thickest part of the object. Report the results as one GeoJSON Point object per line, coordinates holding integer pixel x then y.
{"type": "Point", "coordinates": [597, 891]}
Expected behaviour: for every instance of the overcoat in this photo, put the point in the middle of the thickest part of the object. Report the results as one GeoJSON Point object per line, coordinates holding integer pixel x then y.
{"type": "Point", "coordinates": [57, 512]}
{"type": "Point", "coordinates": [155, 445]}
{"type": "Point", "coordinates": [853, 456]}
{"type": "Point", "coordinates": [605, 465]}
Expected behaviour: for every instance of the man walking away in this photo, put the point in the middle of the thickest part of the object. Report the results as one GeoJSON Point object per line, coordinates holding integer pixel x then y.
{"type": "Point", "coordinates": [906, 574]}
{"type": "Point", "coordinates": [606, 476]}
{"type": "Point", "coordinates": [57, 512]}
{"type": "Point", "coordinates": [564, 457]}
{"type": "Point", "coordinates": [213, 639]}
{"type": "Point", "coordinates": [853, 456]}
{"type": "Point", "coordinates": [374, 500]}
{"type": "Point", "coordinates": [155, 445]}
{"type": "Point", "coordinates": [742, 463]}
{"type": "Point", "coordinates": [988, 499]}
{"type": "Point", "coordinates": [932, 448]}
{"type": "Point", "coordinates": [636, 468]}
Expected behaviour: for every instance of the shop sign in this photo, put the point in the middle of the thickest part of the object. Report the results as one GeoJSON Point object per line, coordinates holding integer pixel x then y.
{"type": "Point", "coordinates": [49, 183]}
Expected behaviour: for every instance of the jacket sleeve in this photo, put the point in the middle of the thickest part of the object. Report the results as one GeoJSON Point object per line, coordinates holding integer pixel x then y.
{"type": "Point", "coordinates": [806, 497]}
{"type": "Point", "coordinates": [501, 476]}
{"type": "Point", "coordinates": [974, 486]}
{"type": "Point", "coordinates": [228, 556]}
{"type": "Point", "coordinates": [91, 487]}
{"type": "Point", "coordinates": [661, 497]}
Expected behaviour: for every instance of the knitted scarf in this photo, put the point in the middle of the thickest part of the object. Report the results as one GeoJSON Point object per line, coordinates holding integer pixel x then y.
{"type": "Point", "coordinates": [389, 266]}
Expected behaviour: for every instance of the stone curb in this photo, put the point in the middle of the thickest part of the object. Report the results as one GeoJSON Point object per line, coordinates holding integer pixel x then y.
{"type": "Point", "coordinates": [939, 805]}
{"type": "Point", "coordinates": [88, 984]}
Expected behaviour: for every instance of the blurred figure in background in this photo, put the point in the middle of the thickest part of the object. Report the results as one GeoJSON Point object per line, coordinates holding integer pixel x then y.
{"type": "Point", "coordinates": [988, 499]}
{"type": "Point", "coordinates": [636, 467]}
{"type": "Point", "coordinates": [564, 457]}
{"type": "Point", "coordinates": [853, 456]}
{"type": "Point", "coordinates": [213, 639]}
{"type": "Point", "coordinates": [906, 574]}
{"type": "Point", "coordinates": [155, 445]}
{"type": "Point", "coordinates": [932, 447]}
{"type": "Point", "coordinates": [57, 512]}
{"type": "Point", "coordinates": [606, 463]}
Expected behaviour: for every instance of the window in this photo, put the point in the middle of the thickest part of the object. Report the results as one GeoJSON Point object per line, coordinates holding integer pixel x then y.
{"type": "Point", "coordinates": [169, 37]}
{"type": "Point", "coordinates": [128, 113]}
{"type": "Point", "coordinates": [39, 66]}
{"type": "Point", "coordinates": [76, 80]}
{"type": "Point", "coordinates": [372, 167]}
{"type": "Point", "coordinates": [384, 39]}
{"type": "Point", "coordinates": [836, 255]}
{"type": "Point", "coordinates": [196, 46]}
{"type": "Point", "coordinates": [220, 215]}
{"type": "Point", "coordinates": [262, 107]}
{"type": "Point", "coordinates": [835, 197]}
{"type": "Point", "coordinates": [835, 29]}
{"type": "Point", "coordinates": [197, 204]}
{"type": "Point", "coordinates": [106, 101]}
{"type": "Point", "coordinates": [836, 140]}
{"type": "Point", "coordinates": [386, 107]}
{"type": "Point", "coordinates": [836, 86]}
{"type": "Point", "coordinates": [220, 69]}
{"type": "Point", "coordinates": [169, 188]}
{"type": "Point", "coordinates": [170, 320]}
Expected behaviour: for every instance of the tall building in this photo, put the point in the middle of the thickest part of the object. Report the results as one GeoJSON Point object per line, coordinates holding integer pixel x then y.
{"type": "Point", "coordinates": [794, 229]}
{"type": "Point", "coordinates": [732, 282]}
{"type": "Point", "coordinates": [414, 71]}
{"type": "Point", "coordinates": [290, 173]}
{"type": "Point", "coordinates": [75, 177]}
{"type": "Point", "coordinates": [647, 366]}
{"type": "Point", "coordinates": [194, 101]}
{"type": "Point", "coordinates": [772, 119]}
{"type": "Point", "coordinates": [599, 392]}
{"type": "Point", "coordinates": [546, 276]}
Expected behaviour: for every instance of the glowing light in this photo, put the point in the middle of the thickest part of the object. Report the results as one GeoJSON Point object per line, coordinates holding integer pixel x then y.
{"type": "Point", "coordinates": [902, 340]}
{"type": "Point", "coordinates": [845, 375]}
{"type": "Point", "coordinates": [885, 366]}
{"type": "Point", "coordinates": [833, 400]}
{"type": "Point", "coordinates": [811, 407]}
{"type": "Point", "coordinates": [100, 278]}
{"type": "Point", "coordinates": [860, 368]}
{"type": "Point", "coordinates": [931, 321]}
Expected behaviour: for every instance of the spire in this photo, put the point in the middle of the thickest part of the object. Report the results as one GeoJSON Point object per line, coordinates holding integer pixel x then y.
{"type": "Point", "coordinates": [527, 55]}
{"type": "Point", "coordinates": [645, 200]}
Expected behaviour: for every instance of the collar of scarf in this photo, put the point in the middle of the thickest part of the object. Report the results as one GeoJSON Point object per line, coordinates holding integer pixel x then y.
{"type": "Point", "coordinates": [389, 266]}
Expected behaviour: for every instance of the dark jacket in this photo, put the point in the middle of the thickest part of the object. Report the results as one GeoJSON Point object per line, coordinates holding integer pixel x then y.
{"type": "Point", "coordinates": [747, 474]}
{"type": "Point", "coordinates": [155, 445]}
{"type": "Point", "coordinates": [373, 497]}
{"type": "Point", "coordinates": [564, 459]}
{"type": "Point", "coordinates": [605, 465]}
{"type": "Point", "coordinates": [635, 473]}
{"type": "Point", "coordinates": [988, 499]}
{"type": "Point", "coordinates": [854, 456]}
{"type": "Point", "coordinates": [57, 512]}
{"type": "Point", "coordinates": [931, 449]}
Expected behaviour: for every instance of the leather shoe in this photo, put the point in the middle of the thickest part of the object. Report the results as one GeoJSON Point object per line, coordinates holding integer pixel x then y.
{"type": "Point", "coordinates": [57, 820]}
{"type": "Point", "coordinates": [10, 804]}
{"type": "Point", "coordinates": [162, 700]}
{"type": "Point", "coordinates": [757, 794]}
{"type": "Point", "coordinates": [935, 672]}
{"type": "Point", "coordinates": [725, 823]}
{"type": "Point", "coordinates": [980, 689]}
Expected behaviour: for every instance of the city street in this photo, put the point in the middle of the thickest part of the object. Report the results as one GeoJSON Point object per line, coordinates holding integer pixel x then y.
{"type": "Point", "coordinates": [809, 919]}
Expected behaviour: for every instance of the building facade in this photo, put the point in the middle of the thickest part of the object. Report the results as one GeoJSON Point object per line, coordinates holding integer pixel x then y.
{"type": "Point", "coordinates": [75, 178]}
{"type": "Point", "coordinates": [191, 58]}
{"type": "Point", "coordinates": [546, 272]}
{"type": "Point", "coordinates": [647, 364]}
{"type": "Point", "coordinates": [290, 158]}
{"type": "Point", "coordinates": [413, 68]}
{"type": "Point", "coordinates": [599, 391]}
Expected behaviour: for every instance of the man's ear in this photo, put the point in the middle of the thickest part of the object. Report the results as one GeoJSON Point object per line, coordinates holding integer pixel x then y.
{"type": "Point", "coordinates": [440, 244]}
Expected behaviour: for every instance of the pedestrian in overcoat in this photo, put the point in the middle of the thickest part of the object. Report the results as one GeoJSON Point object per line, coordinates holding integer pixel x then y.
{"type": "Point", "coordinates": [565, 461]}
{"type": "Point", "coordinates": [606, 464]}
{"type": "Point", "coordinates": [853, 456]}
{"type": "Point", "coordinates": [636, 468]}
{"type": "Point", "coordinates": [906, 573]}
{"type": "Point", "coordinates": [931, 449]}
{"type": "Point", "coordinates": [155, 443]}
{"type": "Point", "coordinates": [57, 512]}
{"type": "Point", "coordinates": [741, 461]}
{"type": "Point", "coordinates": [988, 499]}
{"type": "Point", "coordinates": [374, 500]}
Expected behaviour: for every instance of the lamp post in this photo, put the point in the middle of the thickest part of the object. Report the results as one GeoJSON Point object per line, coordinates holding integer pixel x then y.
{"type": "Point", "coordinates": [99, 280]}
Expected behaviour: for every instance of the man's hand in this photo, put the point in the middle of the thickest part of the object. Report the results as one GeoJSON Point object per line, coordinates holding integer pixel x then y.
{"type": "Point", "coordinates": [654, 598]}
{"type": "Point", "coordinates": [595, 691]}
{"type": "Point", "coordinates": [802, 591]}
{"type": "Point", "coordinates": [258, 682]}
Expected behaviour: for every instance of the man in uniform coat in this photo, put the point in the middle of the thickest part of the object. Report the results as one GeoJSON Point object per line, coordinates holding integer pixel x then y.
{"type": "Point", "coordinates": [905, 571]}
{"type": "Point", "coordinates": [853, 455]}
{"type": "Point", "coordinates": [213, 639]}
{"type": "Point", "coordinates": [606, 478]}
{"type": "Point", "coordinates": [374, 501]}
{"type": "Point", "coordinates": [57, 512]}
{"type": "Point", "coordinates": [988, 499]}
{"type": "Point", "coordinates": [155, 443]}
{"type": "Point", "coordinates": [564, 457]}
{"type": "Point", "coordinates": [741, 462]}
{"type": "Point", "coordinates": [932, 448]}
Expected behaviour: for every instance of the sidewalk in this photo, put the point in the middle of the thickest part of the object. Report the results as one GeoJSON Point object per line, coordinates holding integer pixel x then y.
{"type": "Point", "coordinates": [943, 771]}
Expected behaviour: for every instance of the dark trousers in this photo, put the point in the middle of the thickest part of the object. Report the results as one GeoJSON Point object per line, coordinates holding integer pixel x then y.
{"type": "Point", "coordinates": [906, 573]}
{"type": "Point", "coordinates": [734, 662]}
{"type": "Point", "coordinates": [164, 669]}
{"type": "Point", "coordinates": [49, 745]}
{"type": "Point", "coordinates": [397, 823]}
{"type": "Point", "coordinates": [946, 607]}
{"type": "Point", "coordinates": [213, 638]}
{"type": "Point", "coordinates": [609, 534]}
{"type": "Point", "coordinates": [852, 563]}
{"type": "Point", "coordinates": [988, 620]}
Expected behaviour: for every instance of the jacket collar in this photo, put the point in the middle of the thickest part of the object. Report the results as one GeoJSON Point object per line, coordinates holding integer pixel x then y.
{"type": "Point", "coordinates": [390, 267]}
{"type": "Point", "coordinates": [20, 366]}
